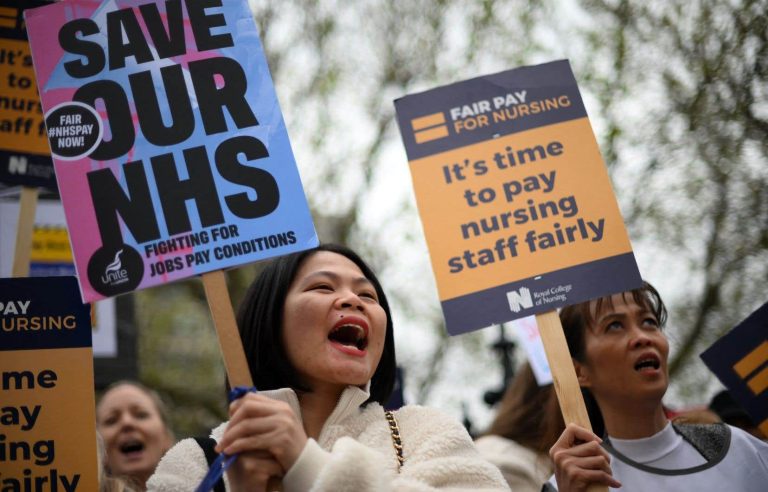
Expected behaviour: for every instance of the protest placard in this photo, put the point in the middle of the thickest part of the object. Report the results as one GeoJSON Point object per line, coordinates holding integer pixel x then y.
{"type": "Point", "coordinates": [517, 207]}
{"type": "Point", "coordinates": [171, 153]}
{"type": "Point", "coordinates": [50, 255]}
{"type": "Point", "coordinates": [24, 156]}
{"type": "Point", "coordinates": [516, 204]}
{"type": "Point", "coordinates": [740, 360]}
{"type": "Point", "coordinates": [47, 415]}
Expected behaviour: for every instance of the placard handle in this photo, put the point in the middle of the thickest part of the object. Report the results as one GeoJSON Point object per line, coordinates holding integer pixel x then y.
{"type": "Point", "coordinates": [235, 363]}
{"type": "Point", "coordinates": [22, 252]}
{"type": "Point", "coordinates": [564, 375]}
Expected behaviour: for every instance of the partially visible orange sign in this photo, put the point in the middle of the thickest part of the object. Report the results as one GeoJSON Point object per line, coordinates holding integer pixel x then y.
{"type": "Point", "coordinates": [47, 428]}
{"type": "Point", "coordinates": [24, 152]}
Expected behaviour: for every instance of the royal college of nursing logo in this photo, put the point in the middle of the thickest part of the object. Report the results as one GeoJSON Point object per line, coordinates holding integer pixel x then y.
{"type": "Point", "coordinates": [519, 299]}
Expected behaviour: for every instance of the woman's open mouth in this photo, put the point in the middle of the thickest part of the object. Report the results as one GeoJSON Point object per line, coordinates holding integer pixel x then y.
{"type": "Point", "coordinates": [350, 333]}
{"type": "Point", "coordinates": [131, 448]}
{"type": "Point", "coordinates": [648, 363]}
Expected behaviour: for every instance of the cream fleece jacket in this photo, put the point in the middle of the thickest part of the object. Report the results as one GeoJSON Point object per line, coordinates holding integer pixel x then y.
{"type": "Point", "coordinates": [524, 469]}
{"type": "Point", "coordinates": [354, 453]}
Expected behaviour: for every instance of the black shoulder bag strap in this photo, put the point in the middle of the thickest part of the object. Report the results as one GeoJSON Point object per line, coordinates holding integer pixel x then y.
{"type": "Point", "coordinates": [207, 444]}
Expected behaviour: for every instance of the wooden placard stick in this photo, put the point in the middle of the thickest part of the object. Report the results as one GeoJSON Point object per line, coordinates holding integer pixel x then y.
{"type": "Point", "coordinates": [23, 250]}
{"type": "Point", "coordinates": [564, 375]}
{"type": "Point", "coordinates": [238, 374]}
{"type": "Point", "coordinates": [215, 284]}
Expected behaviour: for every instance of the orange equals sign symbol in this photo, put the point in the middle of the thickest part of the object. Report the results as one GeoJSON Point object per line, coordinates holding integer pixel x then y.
{"type": "Point", "coordinates": [429, 127]}
{"type": "Point", "coordinates": [753, 368]}
{"type": "Point", "coordinates": [10, 18]}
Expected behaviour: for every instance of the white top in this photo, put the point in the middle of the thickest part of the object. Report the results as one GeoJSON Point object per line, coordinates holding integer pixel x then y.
{"type": "Point", "coordinates": [678, 466]}
{"type": "Point", "coordinates": [666, 450]}
{"type": "Point", "coordinates": [354, 453]}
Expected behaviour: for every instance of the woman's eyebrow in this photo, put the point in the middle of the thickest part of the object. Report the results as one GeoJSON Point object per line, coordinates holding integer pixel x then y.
{"type": "Point", "coordinates": [335, 276]}
{"type": "Point", "coordinates": [362, 281]}
{"type": "Point", "coordinates": [609, 316]}
{"type": "Point", "coordinates": [640, 312]}
{"type": "Point", "coordinates": [321, 273]}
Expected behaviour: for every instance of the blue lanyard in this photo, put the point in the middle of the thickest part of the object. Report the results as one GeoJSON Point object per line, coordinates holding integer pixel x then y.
{"type": "Point", "coordinates": [223, 461]}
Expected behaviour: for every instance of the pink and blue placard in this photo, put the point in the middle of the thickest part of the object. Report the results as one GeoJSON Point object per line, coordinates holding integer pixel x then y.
{"type": "Point", "coordinates": [170, 149]}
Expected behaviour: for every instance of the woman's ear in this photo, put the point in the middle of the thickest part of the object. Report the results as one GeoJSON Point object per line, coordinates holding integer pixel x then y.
{"type": "Point", "coordinates": [582, 374]}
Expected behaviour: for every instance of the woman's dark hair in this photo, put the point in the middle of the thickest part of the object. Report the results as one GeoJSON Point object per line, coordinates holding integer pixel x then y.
{"type": "Point", "coordinates": [260, 321]}
{"type": "Point", "coordinates": [528, 413]}
{"type": "Point", "coordinates": [578, 318]}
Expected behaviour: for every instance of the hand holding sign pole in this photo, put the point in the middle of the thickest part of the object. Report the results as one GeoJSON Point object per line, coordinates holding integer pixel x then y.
{"type": "Point", "coordinates": [564, 378]}
{"type": "Point", "coordinates": [516, 205]}
{"type": "Point", "coordinates": [160, 183]}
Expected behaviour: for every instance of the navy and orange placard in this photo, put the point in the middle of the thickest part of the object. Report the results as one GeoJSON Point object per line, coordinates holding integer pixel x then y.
{"type": "Point", "coordinates": [515, 200]}
{"type": "Point", "coordinates": [740, 360]}
{"type": "Point", "coordinates": [47, 417]}
{"type": "Point", "coordinates": [25, 158]}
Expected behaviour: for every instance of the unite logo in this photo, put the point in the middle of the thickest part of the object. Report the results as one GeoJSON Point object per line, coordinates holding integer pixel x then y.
{"type": "Point", "coordinates": [519, 299]}
{"type": "Point", "coordinates": [114, 273]}
{"type": "Point", "coordinates": [429, 127]}
{"type": "Point", "coordinates": [115, 269]}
